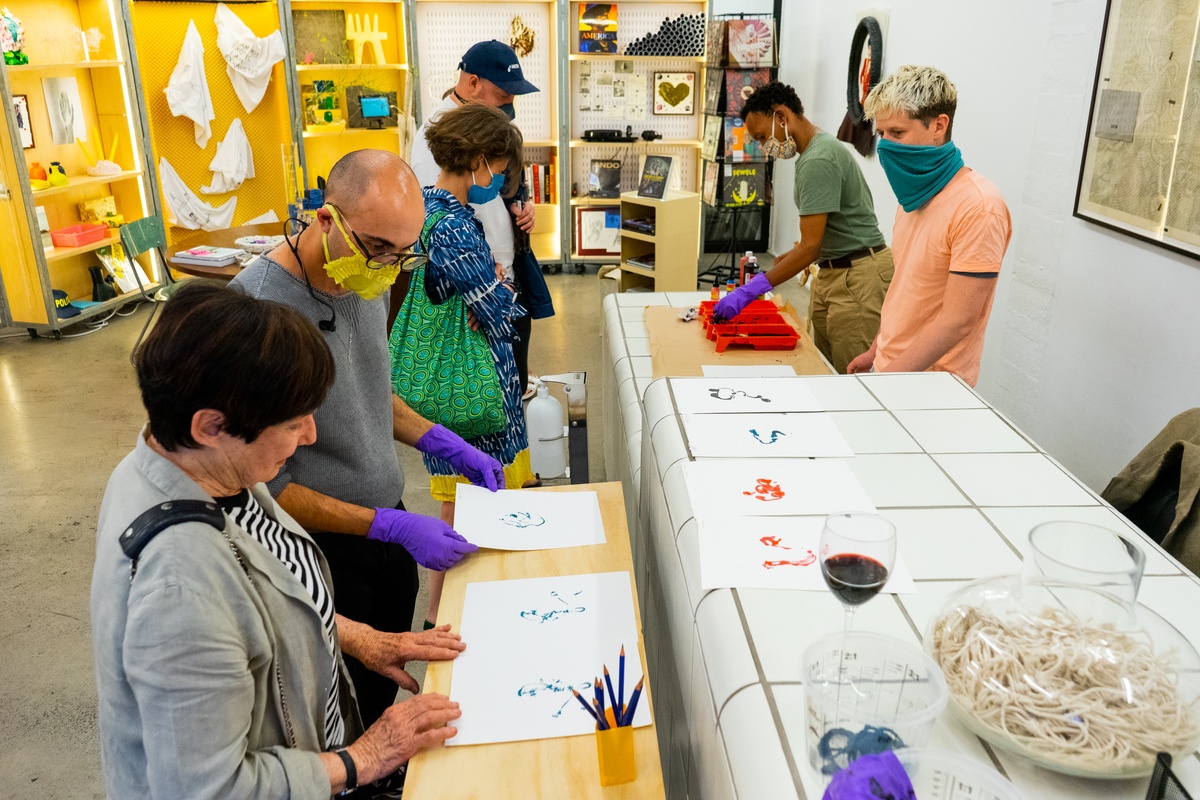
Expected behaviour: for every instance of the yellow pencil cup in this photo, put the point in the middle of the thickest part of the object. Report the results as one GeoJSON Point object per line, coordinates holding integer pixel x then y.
{"type": "Point", "coordinates": [614, 752]}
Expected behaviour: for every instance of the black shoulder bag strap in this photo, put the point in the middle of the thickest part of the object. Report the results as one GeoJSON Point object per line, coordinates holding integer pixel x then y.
{"type": "Point", "coordinates": [155, 520]}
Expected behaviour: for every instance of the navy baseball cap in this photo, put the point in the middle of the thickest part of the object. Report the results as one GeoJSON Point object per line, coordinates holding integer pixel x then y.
{"type": "Point", "coordinates": [63, 306]}
{"type": "Point", "coordinates": [496, 62]}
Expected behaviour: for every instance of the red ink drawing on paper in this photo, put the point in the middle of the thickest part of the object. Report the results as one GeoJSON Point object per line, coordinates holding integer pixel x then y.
{"type": "Point", "coordinates": [766, 490]}
{"type": "Point", "coordinates": [808, 560]}
{"type": "Point", "coordinates": [774, 541]}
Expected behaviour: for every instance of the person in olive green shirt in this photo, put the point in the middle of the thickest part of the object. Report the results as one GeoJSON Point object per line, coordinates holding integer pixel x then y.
{"type": "Point", "coordinates": [838, 229]}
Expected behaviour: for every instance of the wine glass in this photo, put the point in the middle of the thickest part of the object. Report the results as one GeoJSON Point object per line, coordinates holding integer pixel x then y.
{"type": "Point", "coordinates": [858, 551]}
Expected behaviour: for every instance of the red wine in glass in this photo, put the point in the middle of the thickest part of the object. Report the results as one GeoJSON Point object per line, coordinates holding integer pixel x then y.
{"type": "Point", "coordinates": [854, 578]}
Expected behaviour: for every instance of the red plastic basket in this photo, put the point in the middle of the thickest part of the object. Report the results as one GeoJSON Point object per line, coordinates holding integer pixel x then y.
{"type": "Point", "coordinates": [78, 235]}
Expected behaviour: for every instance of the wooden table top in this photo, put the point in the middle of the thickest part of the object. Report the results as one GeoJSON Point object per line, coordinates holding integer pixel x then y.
{"type": "Point", "coordinates": [558, 768]}
{"type": "Point", "coordinates": [223, 238]}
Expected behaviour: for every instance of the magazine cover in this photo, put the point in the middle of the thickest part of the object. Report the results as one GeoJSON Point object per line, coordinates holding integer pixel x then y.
{"type": "Point", "coordinates": [598, 28]}
{"type": "Point", "coordinates": [714, 45]}
{"type": "Point", "coordinates": [712, 177]}
{"type": "Point", "coordinates": [714, 82]}
{"type": "Point", "coordinates": [738, 144]}
{"type": "Point", "coordinates": [654, 177]}
{"type": "Point", "coordinates": [745, 185]}
{"type": "Point", "coordinates": [604, 178]}
{"type": "Point", "coordinates": [713, 129]}
{"type": "Point", "coordinates": [739, 85]}
{"type": "Point", "coordinates": [750, 43]}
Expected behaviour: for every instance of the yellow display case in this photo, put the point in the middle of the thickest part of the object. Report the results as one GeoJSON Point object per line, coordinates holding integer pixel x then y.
{"type": "Point", "coordinates": [78, 54]}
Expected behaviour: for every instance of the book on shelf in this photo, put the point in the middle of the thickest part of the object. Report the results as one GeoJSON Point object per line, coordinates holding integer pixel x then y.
{"type": "Point", "coordinates": [540, 181]}
{"type": "Point", "coordinates": [640, 225]}
{"type": "Point", "coordinates": [750, 43]}
{"type": "Point", "coordinates": [655, 172]}
{"type": "Point", "coordinates": [598, 28]}
{"type": "Point", "coordinates": [645, 262]}
{"type": "Point", "coordinates": [740, 84]}
{"type": "Point", "coordinates": [207, 256]}
{"type": "Point", "coordinates": [739, 146]}
{"type": "Point", "coordinates": [604, 177]}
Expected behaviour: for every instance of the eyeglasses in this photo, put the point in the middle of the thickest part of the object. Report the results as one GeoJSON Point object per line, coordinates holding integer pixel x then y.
{"type": "Point", "coordinates": [408, 261]}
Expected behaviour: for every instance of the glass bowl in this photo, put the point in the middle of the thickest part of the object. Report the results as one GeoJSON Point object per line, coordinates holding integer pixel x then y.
{"type": "Point", "coordinates": [1072, 678]}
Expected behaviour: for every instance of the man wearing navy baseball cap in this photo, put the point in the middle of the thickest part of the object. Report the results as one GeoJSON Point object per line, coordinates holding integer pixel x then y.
{"type": "Point", "coordinates": [490, 74]}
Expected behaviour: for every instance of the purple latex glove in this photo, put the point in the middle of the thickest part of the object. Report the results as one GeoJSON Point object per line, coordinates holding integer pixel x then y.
{"type": "Point", "coordinates": [478, 467]}
{"type": "Point", "coordinates": [870, 778]}
{"type": "Point", "coordinates": [732, 304]}
{"type": "Point", "coordinates": [433, 543]}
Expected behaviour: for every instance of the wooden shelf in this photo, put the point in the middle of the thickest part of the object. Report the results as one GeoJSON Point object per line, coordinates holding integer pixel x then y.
{"type": "Point", "coordinates": [86, 180]}
{"type": "Point", "coordinates": [540, 143]}
{"type": "Point", "coordinates": [595, 201]}
{"type": "Point", "coordinates": [613, 259]}
{"type": "Point", "coordinates": [59, 253]}
{"type": "Point", "coordinates": [350, 67]}
{"type": "Point", "coordinates": [643, 237]}
{"type": "Point", "coordinates": [72, 65]}
{"type": "Point", "coordinates": [636, 270]}
{"type": "Point", "coordinates": [614, 57]}
{"type": "Point", "coordinates": [655, 143]}
{"type": "Point", "coordinates": [395, 131]}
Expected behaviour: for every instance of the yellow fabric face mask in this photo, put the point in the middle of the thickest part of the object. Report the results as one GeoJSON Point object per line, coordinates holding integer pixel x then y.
{"type": "Point", "coordinates": [351, 272]}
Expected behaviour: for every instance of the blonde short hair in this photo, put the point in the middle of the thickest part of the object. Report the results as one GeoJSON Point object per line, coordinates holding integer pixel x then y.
{"type": "Point", "coordinates": [921, 93]}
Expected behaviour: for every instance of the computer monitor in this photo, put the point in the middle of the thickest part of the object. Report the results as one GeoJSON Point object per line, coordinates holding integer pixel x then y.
{"type": "Point", "coordinates": [374, 109]}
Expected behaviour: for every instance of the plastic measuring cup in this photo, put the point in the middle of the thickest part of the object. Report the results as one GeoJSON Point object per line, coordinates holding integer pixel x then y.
{"type": "Point", "coordinates": [941, 775]}
{"type": "Point", "coordinates": [866, 693]}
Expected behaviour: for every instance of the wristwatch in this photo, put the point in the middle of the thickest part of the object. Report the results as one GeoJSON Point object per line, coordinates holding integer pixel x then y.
{"type": "Point", "coordinates": [351, 770]}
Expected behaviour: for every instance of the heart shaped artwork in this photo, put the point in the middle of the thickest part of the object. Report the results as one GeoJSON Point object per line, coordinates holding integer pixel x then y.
{"type": "Point", "coordinates": [674, 93]}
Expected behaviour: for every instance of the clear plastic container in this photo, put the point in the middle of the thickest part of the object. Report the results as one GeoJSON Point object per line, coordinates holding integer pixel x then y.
{"type": "Point", "coordinates": [941, 775]}
{"type": "Point", "coordinates": [1068, 676]}
{"type": "Point", "coordinates": [866, 693]}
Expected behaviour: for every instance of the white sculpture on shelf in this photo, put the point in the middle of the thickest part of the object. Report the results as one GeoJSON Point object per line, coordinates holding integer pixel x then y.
{"type": "Point", "coordinates": [359, 33]}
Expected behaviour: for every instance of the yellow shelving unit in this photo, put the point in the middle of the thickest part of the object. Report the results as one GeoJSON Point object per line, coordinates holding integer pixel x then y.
{"type": "Point", "coordinates": [107, 105]}
{"type": "Point", "coordinates": [676, 221]}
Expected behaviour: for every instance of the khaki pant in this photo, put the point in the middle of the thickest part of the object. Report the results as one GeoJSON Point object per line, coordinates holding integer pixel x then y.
{"type": "Point", "coordinates": [845, 306]}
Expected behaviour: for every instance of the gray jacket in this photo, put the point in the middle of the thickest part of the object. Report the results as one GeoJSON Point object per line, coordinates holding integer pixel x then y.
{"type": "Point", "coordinates": [191, 655]}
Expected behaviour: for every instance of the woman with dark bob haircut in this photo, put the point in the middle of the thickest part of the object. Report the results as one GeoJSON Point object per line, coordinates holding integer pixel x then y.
{"type": "Point", "coordinates": [217, 649]}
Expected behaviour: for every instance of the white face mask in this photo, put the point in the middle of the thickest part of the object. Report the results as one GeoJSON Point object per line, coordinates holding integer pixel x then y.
{"type": "Point", "coordinates": [773, 148]}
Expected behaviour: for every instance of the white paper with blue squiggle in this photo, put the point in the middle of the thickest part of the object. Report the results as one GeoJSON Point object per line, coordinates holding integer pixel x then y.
{"type": "Point", "coordinates": [529, 642]}
{"type": "Point", "coordinates": [523, 520]}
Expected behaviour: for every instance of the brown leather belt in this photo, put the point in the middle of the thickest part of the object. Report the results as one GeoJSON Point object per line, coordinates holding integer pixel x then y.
{"type": "Point", "coordinates": [843, 262]}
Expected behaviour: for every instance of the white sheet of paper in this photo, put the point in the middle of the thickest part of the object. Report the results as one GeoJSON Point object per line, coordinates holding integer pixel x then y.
{"type": "Point", "coordinates": [772, 553]}
{"type": "Point", "coordinates": [512, 519]}
{"type": "Point", "coordinates": [747, 371]}
{"type": "Point", "coordinates": [765, 436]}
{"type": "Point", "coordinates": [532, 640]}
{"type": "Point", "coordinates": [775, 488]}
{"type": "Point", "coordinates": [742, 396]}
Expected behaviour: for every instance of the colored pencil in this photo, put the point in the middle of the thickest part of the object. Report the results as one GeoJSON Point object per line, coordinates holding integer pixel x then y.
{"type": "Point", "coordinates": [583, 703]}
{"type": "Point", "coordinates": [612, 696]}
{"type": "Point", "coordinates": [600, 698]}
{"type": "Point", "coordinates": [621, 685]}
{"type": "Point", "coordinates": [627, 719]}
{"type": "Point", "coordinates": [601, 720]}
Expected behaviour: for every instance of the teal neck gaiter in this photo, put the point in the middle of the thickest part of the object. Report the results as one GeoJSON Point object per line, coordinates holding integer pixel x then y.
{"type": "Point", "coordinates": [918, 172]}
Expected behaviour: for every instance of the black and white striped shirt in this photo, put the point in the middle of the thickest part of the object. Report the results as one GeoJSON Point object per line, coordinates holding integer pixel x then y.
{"type": "Point", "coordinates": [299, 556]}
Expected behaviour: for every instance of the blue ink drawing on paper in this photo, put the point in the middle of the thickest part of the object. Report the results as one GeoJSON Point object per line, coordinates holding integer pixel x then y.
{"type": "Point", "coordinates": [555, 686]}
{"type": "Point", "coordinates": [542, 617]}
{"type": "Point", "coordinates": [774, 436]}
{"type": "Point", "coordinates": [523, 519]}
{"type": "Point", "coordinates": [726, 393]}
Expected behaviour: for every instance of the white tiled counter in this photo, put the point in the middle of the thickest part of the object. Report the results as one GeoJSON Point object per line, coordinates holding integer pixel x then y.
{"type": "Point", "coordinates": [963, 487]}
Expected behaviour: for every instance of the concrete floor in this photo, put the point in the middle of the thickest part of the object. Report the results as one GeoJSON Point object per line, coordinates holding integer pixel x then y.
{"type": "Point", "coordinates": [69, 411]}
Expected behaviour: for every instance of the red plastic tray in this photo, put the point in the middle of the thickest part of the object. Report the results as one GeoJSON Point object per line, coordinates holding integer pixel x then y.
{"type": "Point", "coordinates": [78, 235]}
{"type": "Point", "coordinates": [777, 336]}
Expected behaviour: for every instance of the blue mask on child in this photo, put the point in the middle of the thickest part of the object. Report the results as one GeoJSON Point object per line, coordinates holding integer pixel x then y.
{"type": "Point", "coordinates": [478, 195]}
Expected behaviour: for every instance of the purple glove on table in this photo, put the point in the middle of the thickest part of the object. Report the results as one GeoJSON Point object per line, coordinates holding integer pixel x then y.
{"type": "Point", "coordinates": [732, 304]}
{"type": "Point", "coordinates": [871, 777]}
{"type": "Point", "coordinates": [433, 543]}
{"type": "Point", "coordinates": [480, 468]}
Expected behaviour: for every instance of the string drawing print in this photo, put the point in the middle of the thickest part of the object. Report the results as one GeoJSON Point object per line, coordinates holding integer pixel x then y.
{"type": "Point", "coordinates": [774, 541]}
{"type": "Point", "coordinates": [556, 686]}
{"type": "Point", "coordinates": [766, 490]}
{"type": "Point", "coordinates": [542, 617]}
{"type": "Point", "coordinates": [725, 393]}
{"type": "Point", "coordinates": [523, 519]}
{"type": "Point", "coordinates": [774, 436]}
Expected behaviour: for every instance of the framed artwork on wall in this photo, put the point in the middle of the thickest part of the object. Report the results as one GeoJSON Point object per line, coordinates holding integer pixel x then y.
{"type": "Point", "coordinates": [24, 126]}
{"type": "Point", "coordinates": [598, 230]}
{"type": "Point", "coordinates": [674, 93]}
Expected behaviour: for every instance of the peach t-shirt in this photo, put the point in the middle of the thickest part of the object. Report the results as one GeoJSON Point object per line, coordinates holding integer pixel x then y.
{"type": "Point", "coordinates": [964, 228]}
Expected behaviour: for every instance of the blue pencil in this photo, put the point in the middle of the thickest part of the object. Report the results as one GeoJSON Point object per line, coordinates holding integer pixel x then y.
{"type": "Point", "coordinates": [603, 723]}
{"type": "Point", "coordinates": [612, 696]}
{"type": "Point", "coordinates": [583, 703]}
{"type": "Point", "coordinates": [600, 699]}
{"type": "Point", "coordinates": [627, 719]}
{"type": "Point", "coordinates": [621, 685]}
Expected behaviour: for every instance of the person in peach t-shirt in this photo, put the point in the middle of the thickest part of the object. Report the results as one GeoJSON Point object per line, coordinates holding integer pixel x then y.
{"type": "Point", "coordinates": [949, 237]}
